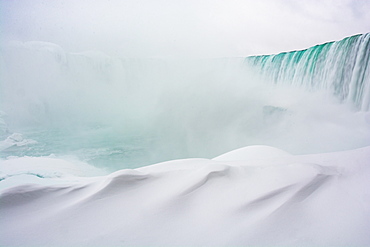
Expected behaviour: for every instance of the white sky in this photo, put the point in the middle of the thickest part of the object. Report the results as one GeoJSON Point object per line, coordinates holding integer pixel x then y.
{"type": "Point", "coordinates": [172, 28]}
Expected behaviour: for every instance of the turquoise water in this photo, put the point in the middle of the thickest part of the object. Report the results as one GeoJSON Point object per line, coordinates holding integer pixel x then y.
{"type": "Point", "coordinates": [98, 147]}
{"type": "Point", "coordinates": [342, 67]}
{"type": "Point", "coordinates": [120, 113]}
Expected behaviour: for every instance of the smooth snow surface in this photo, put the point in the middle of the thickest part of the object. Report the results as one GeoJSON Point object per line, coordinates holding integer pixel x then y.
{"type": "Point", "coordinates": [254, 196]}
{"type": "Point", "coordinates": [251, 153]}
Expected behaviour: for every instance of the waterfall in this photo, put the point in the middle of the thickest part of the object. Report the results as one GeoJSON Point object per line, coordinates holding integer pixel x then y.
{"type": "Point", "coordinates": [342, 67]}
{"type": "Point", "coordinates": [136, 112]}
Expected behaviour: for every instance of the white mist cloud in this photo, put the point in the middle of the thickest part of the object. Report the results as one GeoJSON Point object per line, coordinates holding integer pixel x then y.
{"type": "Point", "coordinates": [144, 28]}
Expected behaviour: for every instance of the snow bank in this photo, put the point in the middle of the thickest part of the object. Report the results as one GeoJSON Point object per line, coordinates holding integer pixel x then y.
{"type": "Point", "coordinates": [254, 196]}
{"type": "Point", "coordinates": [252, 153]}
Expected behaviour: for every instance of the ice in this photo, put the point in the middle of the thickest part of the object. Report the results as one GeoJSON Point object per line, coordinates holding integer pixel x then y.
{"type": "Point", "coordinates": [15, 139]}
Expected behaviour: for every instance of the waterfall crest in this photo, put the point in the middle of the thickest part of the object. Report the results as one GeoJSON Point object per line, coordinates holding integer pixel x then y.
{"type": "Point", "coordinates": [342, 66]}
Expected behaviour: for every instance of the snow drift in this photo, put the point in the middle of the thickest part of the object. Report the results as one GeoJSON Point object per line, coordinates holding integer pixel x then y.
{"type": "Point", "coordinates": [237, 199]}
{"type": "Point", "coordinates": [61, 113]}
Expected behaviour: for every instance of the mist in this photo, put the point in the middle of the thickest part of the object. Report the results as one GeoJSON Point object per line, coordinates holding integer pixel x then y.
{"type": "Point", "coordinates": [224, 122]}
{"type": "Point", "coordinates": [152, 110]}
{"type": "Point", "coordinates": [139, 82]}
{"type": "Point", "coordinates": [142, 28]}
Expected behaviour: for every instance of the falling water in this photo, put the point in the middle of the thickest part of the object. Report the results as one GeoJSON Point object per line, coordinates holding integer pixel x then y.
{"type": "Point", "coordinates": [123, 112]}
{"type": "Point", "coordinates": [342, 66]}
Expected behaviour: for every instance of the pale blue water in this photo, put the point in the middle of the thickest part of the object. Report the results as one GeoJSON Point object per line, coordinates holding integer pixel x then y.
{"type": "Point", "coordinates": [98, 146]}
{"type": "Point", "coordinates": [126, 113]}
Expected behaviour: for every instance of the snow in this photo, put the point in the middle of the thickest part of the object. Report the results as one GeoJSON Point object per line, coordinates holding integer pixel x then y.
{"type": "Point", "coordinates": [252, 152]}
{"type": "Point", "coordinates": [253, 196]}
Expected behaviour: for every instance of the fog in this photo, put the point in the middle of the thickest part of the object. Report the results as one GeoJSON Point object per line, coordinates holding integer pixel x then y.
{"type": "Point", "coordinates": [167, 108]}
{"type": "Point", "coordinates": [143, 28]}
{"type": "Point", "coordinates": [160, 80]}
